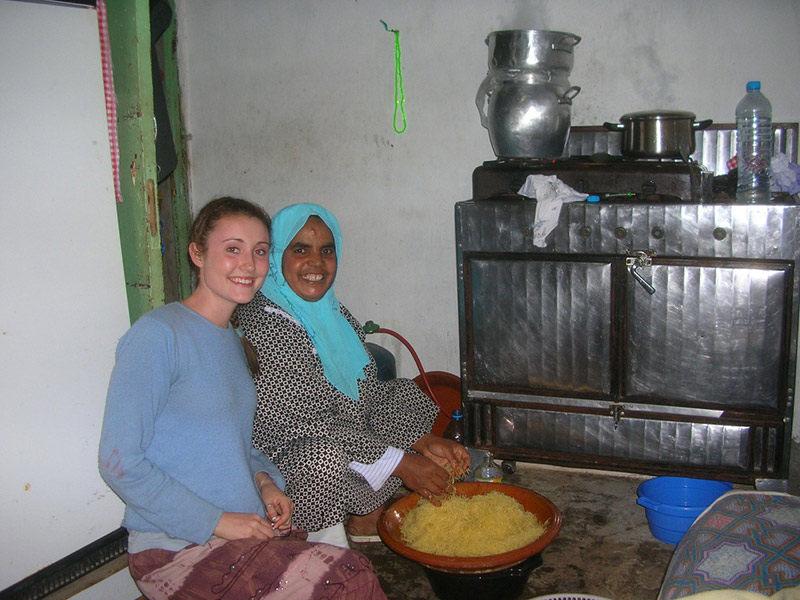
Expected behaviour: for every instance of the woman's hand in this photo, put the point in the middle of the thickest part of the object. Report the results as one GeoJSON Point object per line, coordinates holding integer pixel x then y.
{"type": "Point", "coordinates": [420, 474]}
{"type": "Point", "coordinates": [279, 506]}
{"type": "Point", "coordinates": [235, 526]}
{"type": "Point", "coordinates": [444, 453]}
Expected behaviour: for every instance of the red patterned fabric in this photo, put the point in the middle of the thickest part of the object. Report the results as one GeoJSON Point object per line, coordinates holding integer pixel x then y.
{"type": "Point", "coordinates": [745, 541]}
{"type": "Point", "coordinates": [248, 569]}
{"type": "Point", "coordinates": [111, 98]}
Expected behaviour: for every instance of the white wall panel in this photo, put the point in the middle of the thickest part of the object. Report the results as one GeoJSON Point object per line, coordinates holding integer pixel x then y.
{"type": "Point", "coordinates": [62, 291]}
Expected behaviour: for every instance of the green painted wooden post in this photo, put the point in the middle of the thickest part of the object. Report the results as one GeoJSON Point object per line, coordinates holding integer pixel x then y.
{"type": "Point", "coordinates": [129, 33]}
{"type": "Point", "coordinates": [181, 209]}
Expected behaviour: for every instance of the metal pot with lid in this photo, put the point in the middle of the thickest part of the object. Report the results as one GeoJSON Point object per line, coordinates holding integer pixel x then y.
{"type": "Point", "coordinates": [658, 133]}
{"type": "Point", "coordinates": [525, 100]}
{"type": "Point", "coordinates": [532, 49]}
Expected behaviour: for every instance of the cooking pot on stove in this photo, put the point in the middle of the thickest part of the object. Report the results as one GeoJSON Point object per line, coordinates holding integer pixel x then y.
{"type": "Point", "coordinates": [526, 116]}
{"type": "Point", "coordinates": [525, 100]}
{"type": "Point", "coordinates": [531, 49]}
{"type": "Point", "coordinates": [658, 133]}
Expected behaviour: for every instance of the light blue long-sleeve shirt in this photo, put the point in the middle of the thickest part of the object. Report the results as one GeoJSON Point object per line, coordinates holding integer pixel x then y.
{"type": "Point", "coordinates": [176, 440]}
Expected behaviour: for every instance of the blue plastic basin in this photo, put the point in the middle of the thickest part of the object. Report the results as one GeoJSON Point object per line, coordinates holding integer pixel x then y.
{"type": "Point", "coordinates": [673, 503]}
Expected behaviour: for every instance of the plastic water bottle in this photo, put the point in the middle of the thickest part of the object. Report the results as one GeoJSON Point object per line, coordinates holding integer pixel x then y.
{"type": "Point", "coordinates": [455, 428]}
{"type": "Point", "coordinates": [753, 145]}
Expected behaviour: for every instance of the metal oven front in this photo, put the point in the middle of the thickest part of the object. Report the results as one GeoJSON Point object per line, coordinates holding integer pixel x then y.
{"type": "Point", "coordinates": [647, 337]}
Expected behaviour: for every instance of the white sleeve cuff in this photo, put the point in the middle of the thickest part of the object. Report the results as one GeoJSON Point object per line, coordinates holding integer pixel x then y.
{"type": "Point", "coordinates": [378, 472]}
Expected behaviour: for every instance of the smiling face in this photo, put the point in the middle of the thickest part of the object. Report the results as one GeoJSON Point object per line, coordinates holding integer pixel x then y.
{"type": "Point", "coordinates": [232, 266]}
{"type": "Point", "coordinates": [309, 261]}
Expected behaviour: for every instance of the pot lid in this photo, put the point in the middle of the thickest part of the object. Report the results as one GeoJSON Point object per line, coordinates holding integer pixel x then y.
{"type": "Point", "coordinates": [534, 33]}
{"type": "Point", "coordinates": [658, 115]}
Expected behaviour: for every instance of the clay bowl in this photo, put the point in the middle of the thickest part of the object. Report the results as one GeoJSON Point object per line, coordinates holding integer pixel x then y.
{"type": "Point", "coordinates": [392, 519]}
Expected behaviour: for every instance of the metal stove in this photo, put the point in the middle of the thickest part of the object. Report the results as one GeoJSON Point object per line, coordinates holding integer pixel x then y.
{"type": "Point", "coordinates": [655, 333]}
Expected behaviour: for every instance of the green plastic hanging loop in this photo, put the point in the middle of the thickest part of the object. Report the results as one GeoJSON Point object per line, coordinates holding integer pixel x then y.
{"type": "Point", "coordinates": [399, 94]}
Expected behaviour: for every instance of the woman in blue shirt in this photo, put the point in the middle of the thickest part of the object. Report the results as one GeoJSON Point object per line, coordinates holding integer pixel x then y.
{"type": "Point", "coordinates": [205, 512]}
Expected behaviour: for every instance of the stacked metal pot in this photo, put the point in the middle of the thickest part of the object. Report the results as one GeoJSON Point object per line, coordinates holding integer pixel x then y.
{"type": "Point", "coordinates": [526, 98]}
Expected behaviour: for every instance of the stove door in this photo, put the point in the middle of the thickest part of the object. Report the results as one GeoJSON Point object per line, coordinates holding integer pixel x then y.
{"type": "Point", "coordinates": [715, 333]}
{"type": "Point", "coordinates": [571, 360]}
{"type": "Point", "coordinates": [539, 324]}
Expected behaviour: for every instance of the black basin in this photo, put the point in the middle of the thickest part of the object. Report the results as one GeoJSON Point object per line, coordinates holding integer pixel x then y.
{"type": "Point", "coordinates": [506, 584]}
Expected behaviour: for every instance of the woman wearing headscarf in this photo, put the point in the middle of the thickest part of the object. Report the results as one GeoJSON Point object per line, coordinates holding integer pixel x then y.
{"type": "Point", "coordinates": [205, 512]}
{"type": "Point", "coordinates": [344, 440]}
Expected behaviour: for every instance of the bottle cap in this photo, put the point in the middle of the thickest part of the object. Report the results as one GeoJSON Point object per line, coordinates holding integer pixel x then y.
{"type": "Point", "coordinates": [752, 86]}
{"type": "Point", "coordinates": [593, 199]}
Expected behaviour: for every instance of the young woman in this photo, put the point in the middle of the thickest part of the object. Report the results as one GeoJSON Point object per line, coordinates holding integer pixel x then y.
{"type": "Point", "coordinates": [205, 511]}
{"type": "Point", "coordinates": [344, 440]}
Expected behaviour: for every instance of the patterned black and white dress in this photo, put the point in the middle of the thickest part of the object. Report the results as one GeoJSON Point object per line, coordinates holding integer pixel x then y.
{"type": "Point", "coordinates": [312, 432]}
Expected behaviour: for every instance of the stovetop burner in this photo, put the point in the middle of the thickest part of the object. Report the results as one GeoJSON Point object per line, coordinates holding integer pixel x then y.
{"type": "Point", "coordinates": [603, 158]}
{"type": "Point", "coordinates": [608, 176]}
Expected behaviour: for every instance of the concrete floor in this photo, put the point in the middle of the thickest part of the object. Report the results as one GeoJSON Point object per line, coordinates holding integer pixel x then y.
{"type": "Point", "coordinates": [604, 547]}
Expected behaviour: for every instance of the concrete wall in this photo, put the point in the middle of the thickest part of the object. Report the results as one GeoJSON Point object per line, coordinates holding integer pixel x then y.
{"type": "Point", "coordinates": [293, 101]}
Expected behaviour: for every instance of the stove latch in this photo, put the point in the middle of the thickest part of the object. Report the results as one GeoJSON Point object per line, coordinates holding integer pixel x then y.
{"type": "Point", "coordinates": [641, 258]}
{"type": "Point", "coordinates": [617, 410]}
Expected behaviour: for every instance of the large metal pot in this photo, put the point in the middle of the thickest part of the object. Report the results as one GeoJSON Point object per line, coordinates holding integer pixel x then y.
{"type": "Point", "coordinates": [526, 116]}
{"type": "Point", "coordinates": [531, 49]}
{"type": "Point", "coordinates": [658, 133]}
{"type": "Point", "coordinates": [525, 100]}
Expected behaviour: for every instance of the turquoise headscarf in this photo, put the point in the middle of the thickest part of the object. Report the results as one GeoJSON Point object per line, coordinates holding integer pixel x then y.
{"type": "Point", "coordinates": [338, 346]}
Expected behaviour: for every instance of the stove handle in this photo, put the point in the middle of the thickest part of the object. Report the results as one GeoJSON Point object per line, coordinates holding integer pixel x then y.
{"type": "Point", "coordinates": [641, 259]}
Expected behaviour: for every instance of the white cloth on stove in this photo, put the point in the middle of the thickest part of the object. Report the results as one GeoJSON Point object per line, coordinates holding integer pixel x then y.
{"type": "Point", "coordinates": [550, 193]}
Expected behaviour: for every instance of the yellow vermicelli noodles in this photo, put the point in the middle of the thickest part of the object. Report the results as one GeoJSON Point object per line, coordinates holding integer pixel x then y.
{"type": "Point", "coordinates": [478, 526]}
